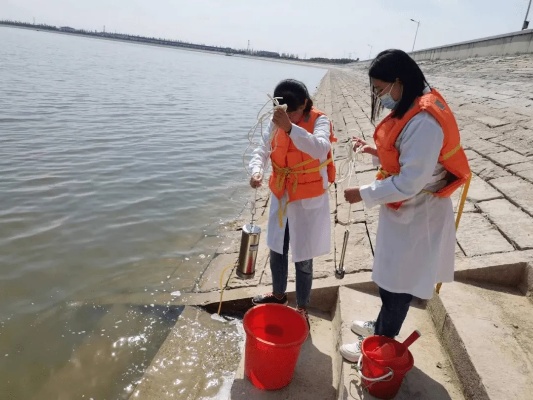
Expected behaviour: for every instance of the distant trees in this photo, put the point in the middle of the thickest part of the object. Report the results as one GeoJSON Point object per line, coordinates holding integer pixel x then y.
{"type": "Point", "coordinates": [333, 60]}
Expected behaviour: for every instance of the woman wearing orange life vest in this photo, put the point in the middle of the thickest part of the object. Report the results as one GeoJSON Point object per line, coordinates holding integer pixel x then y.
{"type": "Point", "coordinates": [421, 163]}
{"type": "Point", "coordinates": [300, 154]}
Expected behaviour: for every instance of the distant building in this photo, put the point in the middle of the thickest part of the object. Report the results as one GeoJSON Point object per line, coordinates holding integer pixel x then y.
{"type": "Point", "coordinates": [67, 29]}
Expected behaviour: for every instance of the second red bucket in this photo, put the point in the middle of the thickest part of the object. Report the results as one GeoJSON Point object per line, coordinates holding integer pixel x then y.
{"type": "Point", "coordinates": [385, 362]}
{"type": "Point", "coordinates": [274, 336]}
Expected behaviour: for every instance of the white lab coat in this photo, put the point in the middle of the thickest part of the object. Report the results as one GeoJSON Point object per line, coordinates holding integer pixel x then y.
{"type": "Point", "coordinates": [309, 219]}
{"type": "Point", "coordinates": [415, 245]}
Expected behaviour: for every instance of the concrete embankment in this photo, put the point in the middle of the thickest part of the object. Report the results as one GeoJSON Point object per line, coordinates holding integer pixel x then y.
{"type": "Point", "coordinates": [510, 44]}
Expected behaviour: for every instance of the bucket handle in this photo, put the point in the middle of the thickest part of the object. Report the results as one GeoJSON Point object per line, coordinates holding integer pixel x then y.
{"type": "Point", "coordinates": [381, 378]}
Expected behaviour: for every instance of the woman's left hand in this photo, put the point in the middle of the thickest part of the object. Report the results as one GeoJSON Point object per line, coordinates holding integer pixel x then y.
{"type": "Point", "coordinates": [281, 119]}
{"type": "Point", "coordinates": [352, 195]}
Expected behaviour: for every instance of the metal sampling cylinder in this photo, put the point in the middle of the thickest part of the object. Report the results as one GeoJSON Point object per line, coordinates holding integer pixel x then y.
{"type": "Point", "coordinates": [343, 253]}
{"type": "Point", "coordinates": [248, 253]}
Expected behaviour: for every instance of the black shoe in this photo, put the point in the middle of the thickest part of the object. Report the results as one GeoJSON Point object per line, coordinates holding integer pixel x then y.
{"type": "Point", "coordinates": [303, 313]}
{"type": "Point", "coordinates": [269, 298]}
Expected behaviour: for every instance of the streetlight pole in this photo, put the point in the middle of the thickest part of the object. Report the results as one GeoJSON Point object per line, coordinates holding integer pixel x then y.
{"type": "Point", "coordinates": [370, 51]}
{"type": "Point", "coordinates": [526, 22]}
{"type": "Point", "coordinates": [416, 33]}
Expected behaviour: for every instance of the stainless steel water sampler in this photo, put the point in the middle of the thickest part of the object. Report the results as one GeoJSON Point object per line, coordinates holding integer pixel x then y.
{"type": "Point", "coordinates": [249, 247]}
{"type": "Point", "coordinates": [248, 253]}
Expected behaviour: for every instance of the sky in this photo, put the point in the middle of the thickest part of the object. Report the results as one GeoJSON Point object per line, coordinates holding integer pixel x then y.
{"type": "Point", "coordinates": [307, 28]}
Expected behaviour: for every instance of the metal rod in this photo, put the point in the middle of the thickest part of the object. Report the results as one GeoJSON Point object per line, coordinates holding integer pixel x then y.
{"type": "Point", "coordinates": [344, 246]}
{"type": "Point", "coordinates": [416, 33]}
{"type": "Point", "coordinates": [526, 22]}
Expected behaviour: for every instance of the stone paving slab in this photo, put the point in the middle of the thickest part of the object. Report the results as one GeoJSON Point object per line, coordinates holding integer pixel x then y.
{"type": "Point", "coordinates": [219, 270]}
{"type": "Point", "coordinates": [506, 158]}
{"type": "Point", "coordinates": [517, 138]}
{"type": "Point", "coordinates": [480, 190]}
{"type": "Point", "coordinates": [484, 146]}
{"type": "Point", "coordinates": [514, 223]}
{"type": "Point", "coordinates": [477, 236]}
{"type": "Point", "coordinates": [487, 170]}
{"type": "Point", "coordinates": [491, 122]}
{"type": "Point", "coordinates": [524, 170]}
{"type": "Point", "coordinates": [517, 189]}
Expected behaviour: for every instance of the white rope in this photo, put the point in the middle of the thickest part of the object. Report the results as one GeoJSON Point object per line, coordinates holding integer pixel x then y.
{"type": "Point", "coordinates": [346, 168]}
{"type": "Point", "coordinates": [262, 117]}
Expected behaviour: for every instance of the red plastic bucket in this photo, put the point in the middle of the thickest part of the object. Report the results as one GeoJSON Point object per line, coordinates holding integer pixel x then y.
{"type": "Point", "coordinates": [384, 364]}
{"type": "Point", "coordinates": [274, 335]}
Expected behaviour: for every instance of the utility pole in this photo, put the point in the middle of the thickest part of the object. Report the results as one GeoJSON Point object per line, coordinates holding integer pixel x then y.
{"type": "Point", "coordinates": [416, 33]}
{"type": "Point", "coordinates": [369, 54]}
{"type": "Point", "coordinates": [526, 22]}
{"type": "Point", "coordinates": [248, 49]}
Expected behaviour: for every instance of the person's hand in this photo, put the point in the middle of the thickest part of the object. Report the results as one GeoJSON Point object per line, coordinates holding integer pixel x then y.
{"type": "Point", "coordinates": [364, 147]}
{"type": "Point", "coordinates": [281, 119]}
{"type": "Point", "coordinates": [352, 195]}
{"type": "Point", "coordinates": [255, 180]}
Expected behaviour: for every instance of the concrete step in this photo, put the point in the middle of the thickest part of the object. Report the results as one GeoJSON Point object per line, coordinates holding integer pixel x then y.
{"type": "Point", "coordinates": [196, 361]}
{"type": "Point", "coordinates": [432, 376]}
{"type": "Point", "coordinates": [316, 374]}
{"type": "Point", "coordinates": [488, 332]}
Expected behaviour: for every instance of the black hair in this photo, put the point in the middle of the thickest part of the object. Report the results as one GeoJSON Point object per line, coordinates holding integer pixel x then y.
{"type": "Point", "coordinates": [293, 93]}
{"type": "Point", "coordinates": [390, 66]}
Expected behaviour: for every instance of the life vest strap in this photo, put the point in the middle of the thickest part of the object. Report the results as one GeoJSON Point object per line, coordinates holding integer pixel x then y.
{"type": "Point", "coordinates": [382, 174]}
{"type": "Point", "coordinates": [281, 179]}
{"type": "Point", "coordinates": [283, 173]}
{"type": "Point", "coordinates": [451, 152]}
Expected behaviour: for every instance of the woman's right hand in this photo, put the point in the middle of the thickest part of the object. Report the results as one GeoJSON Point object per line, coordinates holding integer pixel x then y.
{"type": "Point", "coordinates": [359, 143]}
{"type": "Point", "coordinates": [255, 180]}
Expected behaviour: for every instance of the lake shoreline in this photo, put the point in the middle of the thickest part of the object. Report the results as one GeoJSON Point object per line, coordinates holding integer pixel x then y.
{"type": "Point", "coordinates": [283, 61]}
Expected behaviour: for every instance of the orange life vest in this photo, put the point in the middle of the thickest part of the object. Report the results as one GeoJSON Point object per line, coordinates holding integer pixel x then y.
{"type": "Point", "coordinates": [452, 156]}
{"type": "Point", "coordinates": [296, 171]}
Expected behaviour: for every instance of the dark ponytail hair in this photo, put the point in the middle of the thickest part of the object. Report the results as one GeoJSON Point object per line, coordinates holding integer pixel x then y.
{"type": "Point", "coordinates": [293, 93]}
{"type": "Point", "coordinates": [390, 66]}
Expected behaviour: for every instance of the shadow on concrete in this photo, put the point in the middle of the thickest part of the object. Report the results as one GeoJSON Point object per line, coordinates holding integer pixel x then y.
{"type": "Point", "coordinates": [312, 370]}
{"type": "Point", "coordinates": [415, 386]}
{"type": "Point", "coordinates": [493, 287]}
{"type": "Point", "coordinates": [373, 290]}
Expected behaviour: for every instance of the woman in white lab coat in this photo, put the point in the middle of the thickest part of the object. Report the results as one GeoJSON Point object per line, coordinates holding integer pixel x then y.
{"type": "Point", "coordinates": [300, 153]}
{"type": "Point", "coordinates": [422, 163]}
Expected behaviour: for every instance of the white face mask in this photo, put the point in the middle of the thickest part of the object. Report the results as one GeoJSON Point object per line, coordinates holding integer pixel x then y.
{"type": "Point", "coordinates": [387, 101]}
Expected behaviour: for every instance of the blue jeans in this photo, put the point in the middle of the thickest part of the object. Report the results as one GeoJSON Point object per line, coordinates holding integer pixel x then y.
{"type": "Point", "coordinates": [279, 265]}
{"type": "Point", "coordinates": [393, 312]}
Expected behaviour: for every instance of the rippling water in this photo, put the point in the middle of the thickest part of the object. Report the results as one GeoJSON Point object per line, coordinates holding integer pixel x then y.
{"type": "Point", "coordinates": [115, 159]}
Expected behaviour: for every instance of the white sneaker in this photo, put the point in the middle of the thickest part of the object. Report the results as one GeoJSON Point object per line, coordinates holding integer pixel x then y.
{"type": "Point", "coordinates": [351, 352]}
{"type": "Point", "coordinates": [363, 328]}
